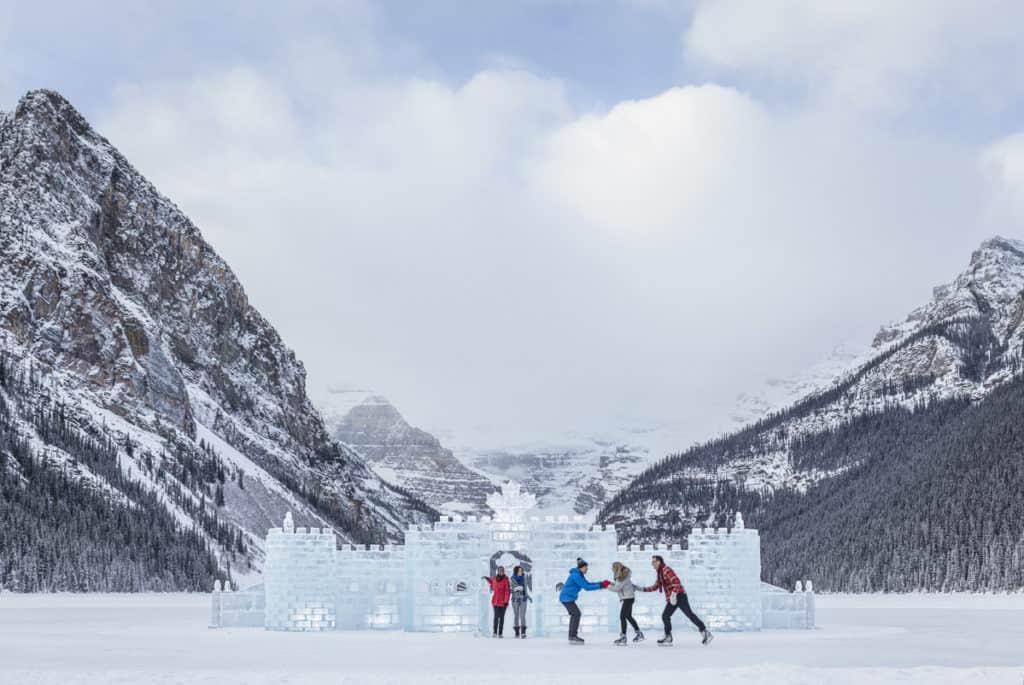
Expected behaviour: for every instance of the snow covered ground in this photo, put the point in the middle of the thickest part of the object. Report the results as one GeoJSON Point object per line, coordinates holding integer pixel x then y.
{"type": "Point", "coordinates": [162, 639]}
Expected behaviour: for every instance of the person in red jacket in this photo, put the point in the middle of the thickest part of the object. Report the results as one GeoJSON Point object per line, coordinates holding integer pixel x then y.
{"type": "Point", "coordinates": [675, 598]}
{"type": "Point", "coordinates": [500, 595]}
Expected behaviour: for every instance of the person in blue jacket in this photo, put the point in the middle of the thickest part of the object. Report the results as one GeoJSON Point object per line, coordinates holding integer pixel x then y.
{"type": "Point", "coordinates": [570, 590]}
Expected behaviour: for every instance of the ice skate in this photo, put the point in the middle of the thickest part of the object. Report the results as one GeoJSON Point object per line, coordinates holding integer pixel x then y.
{"type": "Point", "coordinates": [666, 641]}
{"type": "Point", "coordinates": [621, 642]}
{"type": "Point", "coordinates": [706, 637]}
{"type": "Point", "coordinates": [576, 641]}
{"type": "Point", "coordinates": [639, 637]}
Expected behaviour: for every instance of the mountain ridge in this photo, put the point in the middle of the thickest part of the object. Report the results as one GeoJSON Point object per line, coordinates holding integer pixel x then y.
{"type": "Point", "coordinates": [143, 333]}
{"type": "Point", "coordinates": [404, 455]}
{"type": "Point", "coordinates": [947, 356]}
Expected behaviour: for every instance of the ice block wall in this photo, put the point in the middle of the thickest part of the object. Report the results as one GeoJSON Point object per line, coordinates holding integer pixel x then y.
{"type": "Point", "coordinates": [369, 587]}
{"type": "Point", "coordinates": [242, 609]}
{"type": "Point", "coordinates": [555, 544]}
{"type": "Point", "coordinates": [443, 566]}
{"type": "Point", "coordinates": [782, 610]}
{"type": "Point", "coordinates": [648, 606]}
{"type": "Point", "coordinates": [298, 578]}
{"type": "Point", "coordinates": [722, 576]}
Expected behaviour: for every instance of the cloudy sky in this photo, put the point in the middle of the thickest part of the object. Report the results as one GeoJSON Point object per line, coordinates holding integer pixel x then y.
{"type": "Point", "coordinates": [556, 215]}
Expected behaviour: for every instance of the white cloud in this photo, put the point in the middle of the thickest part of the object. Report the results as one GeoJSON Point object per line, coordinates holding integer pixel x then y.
{"type": "Point", "coordinates": [874, 54]}
{"type": "Point", "coordinates": [488, 251]}
{"type": "Point", "coordinates": [1003, 161]}
{"type": "Point", "coordinates": [382, 225]}
{"type": "Point", "coordinates": [644, 165]}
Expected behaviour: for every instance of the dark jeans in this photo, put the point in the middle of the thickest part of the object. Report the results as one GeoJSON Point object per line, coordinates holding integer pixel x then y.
{"type": "Point", "coordinates": [499, 619]}
{"type": "Point", "coordinates": [626, 614]}
{"type": "Point", "coordinates": [574, 618]}
{"type": "Point", "coordinates": [683, 604]}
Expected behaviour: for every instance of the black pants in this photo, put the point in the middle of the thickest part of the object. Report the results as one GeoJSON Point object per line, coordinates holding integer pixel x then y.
{"type": "Point", "coordinates": [683, 604]}
{"type": "Point", "coordinates": [574, 618]}
{"type": "Point", "coordinates": [626, 614]}
{"type": "Point", "coordinates": [499, 619]}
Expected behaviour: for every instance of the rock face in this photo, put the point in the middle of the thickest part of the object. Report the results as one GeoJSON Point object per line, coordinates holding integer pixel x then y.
{"type": "Point", "coordinates": [944, 360]}
{"type": "Point", "coordinates": [109, 292]}
{"type": "Point", "coordinates": [404, 455]}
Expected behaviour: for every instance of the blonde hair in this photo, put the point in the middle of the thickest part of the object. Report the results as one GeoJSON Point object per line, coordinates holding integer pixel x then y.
{"type": "Point", "coordinates": [620, 571]}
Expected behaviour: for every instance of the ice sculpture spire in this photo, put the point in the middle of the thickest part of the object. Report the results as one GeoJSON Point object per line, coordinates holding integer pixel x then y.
{"type": "Point", "coordinates": [738, 525]}
{"type": "Point", "coordinates": [289, 525]}
{"type": "Point", "coordinates": [511, 504]}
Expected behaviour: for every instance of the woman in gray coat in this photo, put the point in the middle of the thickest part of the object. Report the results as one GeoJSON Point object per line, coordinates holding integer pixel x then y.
{"type": "Point", "coordinates": [520, 596]}
{"type": "Point", "coordinates": [622, 585]}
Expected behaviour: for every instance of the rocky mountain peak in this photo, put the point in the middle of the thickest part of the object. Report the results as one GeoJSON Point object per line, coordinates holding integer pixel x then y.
{"type": "Point", "coordinates": [990, 289]}
{"type": "Point", "coordinates": [402, 454]}
{"type": "Point", "coordinates": [109, 291]}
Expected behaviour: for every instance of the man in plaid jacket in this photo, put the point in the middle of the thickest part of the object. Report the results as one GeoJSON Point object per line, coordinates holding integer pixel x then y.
{"type": "Point", "coordinates": [675, 598]}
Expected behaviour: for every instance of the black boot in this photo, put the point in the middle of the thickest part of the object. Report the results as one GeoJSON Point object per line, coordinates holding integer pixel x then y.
{"type": "Point", "coordinates": [523, 633]}
{"type": "Point", "coordinates": [517, 631]}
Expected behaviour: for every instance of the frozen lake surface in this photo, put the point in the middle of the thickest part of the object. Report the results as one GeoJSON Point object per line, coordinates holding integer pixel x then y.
{"type": "Point", "coordinates": [111, 639]}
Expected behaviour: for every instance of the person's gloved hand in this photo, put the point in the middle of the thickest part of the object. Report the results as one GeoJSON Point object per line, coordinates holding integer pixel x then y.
{"type": "Point", "coordinates": [672, 599]}
{"type": "Point", "coordinates": [605, 583]}
{"type": "Point", "coordinates": [484, 578]}
{"type": "Point", "coordinates": [529, 599]}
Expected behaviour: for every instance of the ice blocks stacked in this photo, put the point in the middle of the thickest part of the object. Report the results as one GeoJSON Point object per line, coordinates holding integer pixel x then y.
{"type": "Point", "coordinates": [444, 563]}
{"type": "Point", "coordinates": [299, 578]}
{"type": "Point", "coordinates": [787, 610]}
{"type": "Point", "coordinates": [648, 607]}
{"type": "Point", "coordinates": [369, 587]}
{"type": "Point", "coordinates": [722, 576]}
{"type": "Point", "coordinates": [556, 543]}
{"type": "Point", "coordinates": [433, 582]}
{"type": "Point", "coordinates": [244, 609]}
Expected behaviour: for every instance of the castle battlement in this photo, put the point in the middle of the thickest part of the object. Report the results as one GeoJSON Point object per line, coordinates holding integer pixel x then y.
{"type": "Point", "coordinates": [432, 582]}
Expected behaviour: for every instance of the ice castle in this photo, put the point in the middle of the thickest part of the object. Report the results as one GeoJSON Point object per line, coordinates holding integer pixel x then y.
{"type": "Point", "coordinates": [433, 581]}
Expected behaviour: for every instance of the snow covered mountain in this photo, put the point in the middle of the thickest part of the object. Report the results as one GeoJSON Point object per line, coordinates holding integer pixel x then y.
{"type": "Point", "coordinates": [123, 328]}
{"type": "Point", "coordinates": [402, 454]}
{"type": "Point", "coordinates": [570, 475]}
{"type": "Point", "coordinates": [843, 443]}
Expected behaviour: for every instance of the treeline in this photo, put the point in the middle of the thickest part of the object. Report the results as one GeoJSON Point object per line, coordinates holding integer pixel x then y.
{"type": "Point", "coordinates": [981, 352]}
{"type": "Point", "coordinates": [64, 530]}
{"type": "Point", "coordinates": [934, 504]}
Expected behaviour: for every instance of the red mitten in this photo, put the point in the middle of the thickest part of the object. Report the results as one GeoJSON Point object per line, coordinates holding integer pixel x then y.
{"type": "Point", "coordinates": [605, 583]}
